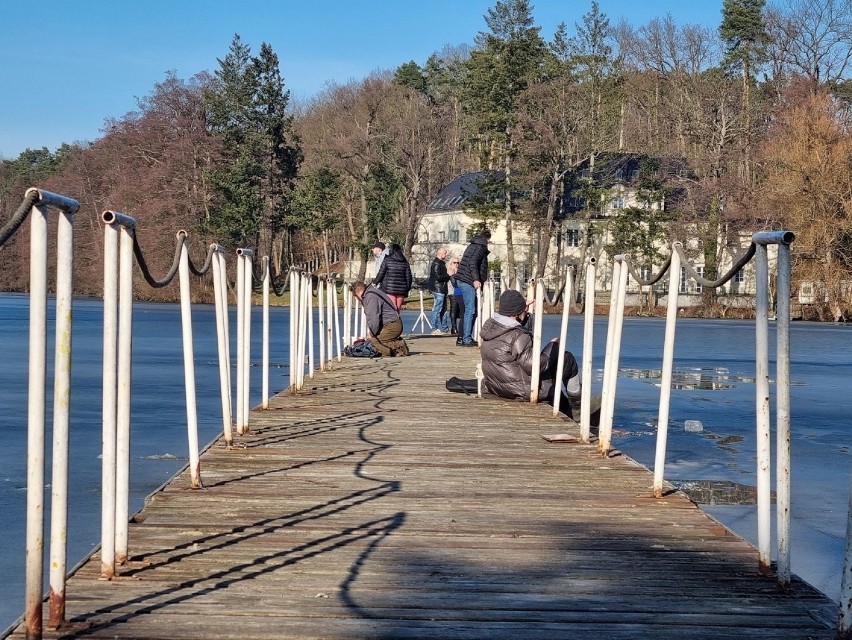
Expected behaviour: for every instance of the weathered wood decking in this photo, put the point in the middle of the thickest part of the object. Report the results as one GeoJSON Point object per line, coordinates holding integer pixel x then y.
{"type": "Point", "coordinates": [376, 505]}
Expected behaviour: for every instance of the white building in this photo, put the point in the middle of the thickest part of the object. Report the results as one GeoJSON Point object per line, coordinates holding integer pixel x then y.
{"type": "Point", "coordinates": [450, 221]}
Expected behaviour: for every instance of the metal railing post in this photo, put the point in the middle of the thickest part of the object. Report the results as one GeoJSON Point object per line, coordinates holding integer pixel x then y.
{"type": "Point", "coordinates": [535, 377]}
{"type": "Point", "coordinates": [782, 409]}
{"type": "Point", "coordinates": [762, 409]}
{"type": "Point", "coordinates": [265, 333]}
{"type": "Point", "coordinates": [588, 350]}
{"type": "Point", "coordinates": [36, 420]}
{"type": "Point", "coordinates": [220, 293]}
{"type": "Point", "coordinates": [188, 365]}
{"type": "Point", "coordinates": [477, 325]}
{"type": "Point", "coordinates": [782, 413]}
{"type": "Point", "coordinates": [125, 348]}
{"type": "Point", "coordinates": [606, 426]}
{"type": "Point", "coordinates": [61, 416]}
{"type": "Point", "coordinates": [309, 301]}
{"type": "Point", "coordinates": [329, 323]}
{"type": "Point", "coordinates": [238, 413]}
{"type": "Point", "coordinates": [337, 331]}
{"type": "Point", "coordinates": [294, 323]}
{"type": "Point", "coordinates": [666, 374]}
{"type": "Point", "coordinates": [321, 322]}
{"type": "Point", "coordinates": [844, 621]}
{"type": "Point", "coordinates": [563, 341]}
{"type": "Point", "coordinates": [606, 392]}
{"type": "Point", "coordinates": [300, 340]}
{"type": "Point", "coordinates": [247, 255]}
{"type": "Point", "coordinates": [110, 401]}
{"type": "Point", "coordinates": [347, 315]}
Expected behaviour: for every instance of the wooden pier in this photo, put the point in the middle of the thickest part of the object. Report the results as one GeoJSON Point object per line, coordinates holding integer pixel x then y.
{"type": "Point", "coordinates": [375, 504]}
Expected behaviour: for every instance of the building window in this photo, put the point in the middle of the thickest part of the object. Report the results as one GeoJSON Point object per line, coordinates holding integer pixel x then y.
{"type": "Point", "coordinates": [687, 284]}
{"type": "Point", "coordinates": [424, 237]}
{"type": "Point", "coordinates": [572, 237]}
{"type": "Point", "coordinates": [442, 236]}
{"type": "Point", "coordinates": [739, 276]}
{"type": "Point", "coordinates": [454, 235]}
{"type": "Point", "coordinates": [618, 202]}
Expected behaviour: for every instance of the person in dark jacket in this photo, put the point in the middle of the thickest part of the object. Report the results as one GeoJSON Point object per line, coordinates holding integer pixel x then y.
{"type": "Point", "coordinates": [383, 320]}
{"type": "Point", "coordinates": [394, 276]}
{"type": "Point", "coordinates": [508, 359]}
{"type": "Point", "coordinates": [437, 284]}
{"type": "Point", "coordinates": [473, 271]}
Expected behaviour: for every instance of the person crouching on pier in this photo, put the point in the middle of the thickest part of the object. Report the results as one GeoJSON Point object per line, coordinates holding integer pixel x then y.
{"type": "Point", "coordinates": [508, 359]}
{"type": "Point", "coordinates": [383, 320]}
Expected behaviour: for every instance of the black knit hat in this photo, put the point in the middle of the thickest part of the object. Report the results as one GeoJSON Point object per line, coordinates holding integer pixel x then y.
{"type": "Point", "coordinates": [512, 303]}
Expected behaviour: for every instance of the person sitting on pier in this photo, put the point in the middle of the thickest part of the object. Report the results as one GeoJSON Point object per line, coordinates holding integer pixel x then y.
{"type": "Point", "coordinates": [508, 359]}
{"type": "Point", "coordinates": [383, 320]}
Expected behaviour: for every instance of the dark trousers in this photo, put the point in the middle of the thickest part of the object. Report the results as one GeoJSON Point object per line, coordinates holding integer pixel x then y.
{"type": "Point", "coordinates": [457, 314]}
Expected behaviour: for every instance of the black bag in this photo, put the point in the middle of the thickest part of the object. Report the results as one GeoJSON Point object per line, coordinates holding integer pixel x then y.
{"type": "Point", "coordinates": [361, 349]}
{"type": "Point", "coordinates": [457, 385]}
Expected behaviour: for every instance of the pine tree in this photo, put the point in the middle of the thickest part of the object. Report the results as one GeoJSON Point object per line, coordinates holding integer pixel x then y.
{"type": "Point", "coordinates": [247, 106]}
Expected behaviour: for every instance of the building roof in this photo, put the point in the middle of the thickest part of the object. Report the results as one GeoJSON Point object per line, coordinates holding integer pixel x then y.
{"type": "Point", "coordinates": [454, 195]}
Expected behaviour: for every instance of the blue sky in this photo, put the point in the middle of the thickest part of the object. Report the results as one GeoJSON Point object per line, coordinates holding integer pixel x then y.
{"type": "Point", "coordinates": [67, 66]}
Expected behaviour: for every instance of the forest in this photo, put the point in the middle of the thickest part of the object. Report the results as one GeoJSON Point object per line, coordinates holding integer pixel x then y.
{"type": "Point", "coordinates": [757, 108]}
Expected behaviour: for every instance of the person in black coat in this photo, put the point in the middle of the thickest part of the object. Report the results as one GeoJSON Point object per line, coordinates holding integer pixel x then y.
{"type": "Point", "coordinates": [394, 276]}
{"type": "Point", "coordinates": [438, 279]}
{"type": "Point", "coordinates": [473, 271]}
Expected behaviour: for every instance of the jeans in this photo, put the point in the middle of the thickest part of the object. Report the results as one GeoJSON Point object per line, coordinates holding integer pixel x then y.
{"type": "Point", "coordinates": [440, 318]}
{"type": "Point", "coordinates": [469, 297]}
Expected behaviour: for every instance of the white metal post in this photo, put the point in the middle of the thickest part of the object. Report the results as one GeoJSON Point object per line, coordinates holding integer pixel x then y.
{"type": "Point", "coordinates": [477, 325]}
{"type": "Point", "coordinates": [337, 331]}
{"type": "Point", "coordinates": [35, 420]}
{"type": "Point", "coordinates": [125, 353]}
{"type": "Point", "coordinates": [61, 417]}
{"type": "Point", "coordinates": [782, 413]}
{"type": "Point", "coordinates": [535, 377]}
{"type": "Point", "coordinates": [347, 315]}
{"type": "Point", "coordinates": [666, 375]}
{"type": "Point", "coordinates": [844, 622]}
{"type": "Point", "coordinates": [188, 365]}
{"type": "Point", "coordinates": [306, 315]}
{"type": "Point", "coordinates": [329, 322]}
{"type": "Point", "coordinates": [762, 410]}
{"type": "Point", "coordinates": [605, 429]}
{"type": "Point", "coordinates": [109, 402]}
{"type": "Point", "coordinates": [588, 350]}
{"type": "Point", "coordinates": [220, 293]}
{"type": "Point", "coordinates": [247, 255]}
{"type": "Point", "coordinates": [321, 322]}
{"type": "Point", "coordinates": [238, 414]}
{"type": "Point", "coordinates": [265, 333]}
{"type": "Point", "coordinates": [294, 322]}
{"type": "Point", "coordinates": [309, 297]}
{"type": "Point", "coordinates": [563, 341]}
{"type": "Point", "coordinates": [603, 437]}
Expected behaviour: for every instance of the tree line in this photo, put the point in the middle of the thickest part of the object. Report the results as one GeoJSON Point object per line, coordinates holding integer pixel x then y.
{"type": "Point", "coordinates": [757, 109]}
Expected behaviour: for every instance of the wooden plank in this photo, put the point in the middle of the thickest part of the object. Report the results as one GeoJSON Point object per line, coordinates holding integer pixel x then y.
{"type": "Point", "coordinates": [374, 504]}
